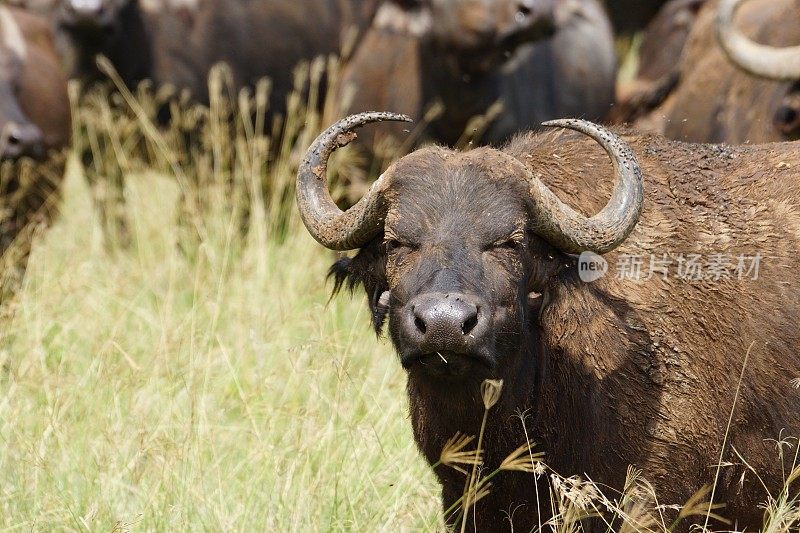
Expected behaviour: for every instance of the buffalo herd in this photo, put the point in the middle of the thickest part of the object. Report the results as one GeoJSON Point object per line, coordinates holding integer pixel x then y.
{"type": "Point", "coordinates": [642, 312]}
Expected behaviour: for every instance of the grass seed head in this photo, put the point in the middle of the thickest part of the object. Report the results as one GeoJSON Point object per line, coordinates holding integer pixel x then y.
{"type": "Point", "coordinates": [698, 506]}
{"type": "Point", "coordinates": [477, 493]}
{"type": "Point", "coordinates": [453, 454]}
{"type": "Point", "coordinates": [524, 460]}
{"type": "Point", "coordinates": [490, 391]}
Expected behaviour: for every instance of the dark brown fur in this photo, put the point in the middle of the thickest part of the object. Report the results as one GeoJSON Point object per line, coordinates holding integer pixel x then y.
{"type": "Point", "coordinates": [124, 35]}
{"type": "Point", "coordinates": [631, 16]}
{"type": "Point", "coordinates": [616, 372]}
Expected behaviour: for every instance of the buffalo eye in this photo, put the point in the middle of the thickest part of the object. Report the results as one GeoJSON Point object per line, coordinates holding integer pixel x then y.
{"type": "Point", "coordinates": [394, 245]}
{"type": "Point", "coordinates": [505, 244]}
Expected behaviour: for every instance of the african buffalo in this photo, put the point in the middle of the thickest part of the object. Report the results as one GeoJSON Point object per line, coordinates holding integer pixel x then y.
{"type": "Point", "coordinates": [177, 43]}
{"type": "Point", "coordinates": [468, 55]}
{"type": "Point", "coordinates": [470, 257]}
{"type": "Point", "coordinates": [35, 123]}
{"type": "Point", "coordinates": [732, 89]}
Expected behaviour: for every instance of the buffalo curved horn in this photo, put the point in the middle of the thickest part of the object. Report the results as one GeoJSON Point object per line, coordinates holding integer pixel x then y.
{"type": "Point", "coordinates": [329, 225]}
{"type": "Point", "coordinates": [572, 232]}
{"type": "Point", "coordinates": [780, 64]}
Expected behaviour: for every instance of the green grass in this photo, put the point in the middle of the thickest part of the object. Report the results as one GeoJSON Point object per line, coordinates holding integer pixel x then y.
{"type": "Point", "coordinates": [155, 389]}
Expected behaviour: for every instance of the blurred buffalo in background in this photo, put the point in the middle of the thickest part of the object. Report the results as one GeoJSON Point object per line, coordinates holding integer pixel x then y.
{"type": "Point", "coordinates": [468, 54]}
{"type": "Point", "coordinates": [177, 42]}
{"type": "Point", "coordinates": [521, 62]}
{"type": "Point", "coordinates": [35, 126]}
{"type": "Point", "coordinates": [658, 60]}
{"type": "Point", "coordinates": [121, 30]}
{"type": "Point", "coordinates": [738, 78]}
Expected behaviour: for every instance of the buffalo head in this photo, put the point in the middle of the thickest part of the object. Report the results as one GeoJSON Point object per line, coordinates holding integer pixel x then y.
{"type": "Point", "coordinates": [770, 63]}
{"type": "Point", "coordinates": [19, 136]}
{"type": "Point", "coordinates": [455, 247]}
{"type": "Point", "coordinates": [480, 29]}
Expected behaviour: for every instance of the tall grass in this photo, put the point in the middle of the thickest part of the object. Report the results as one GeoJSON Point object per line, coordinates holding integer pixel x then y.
{"type": "Point", "coordinates": [196, 377]}
{"type": "Point", "coordinates": [172, 362]}
{"type": "Point", "coordinates": [164, 391]}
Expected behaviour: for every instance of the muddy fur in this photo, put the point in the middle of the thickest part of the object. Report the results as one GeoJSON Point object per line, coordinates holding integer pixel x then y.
{"type": "Point", "coordinates": [616, 372]}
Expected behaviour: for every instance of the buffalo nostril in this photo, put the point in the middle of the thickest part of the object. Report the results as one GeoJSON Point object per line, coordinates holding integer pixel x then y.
{"type": "Point", "coordinates": [23, 140]}
{"type": "Point", "coordinates": [469, 324]}
{"type": "Point", "coordinates": [443, 320]}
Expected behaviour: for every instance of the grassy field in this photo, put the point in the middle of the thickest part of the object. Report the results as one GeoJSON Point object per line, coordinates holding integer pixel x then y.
{"type": "Point", "coordinates": [155, 389]}
{"type": "Point", "coordinates": [196, 378]}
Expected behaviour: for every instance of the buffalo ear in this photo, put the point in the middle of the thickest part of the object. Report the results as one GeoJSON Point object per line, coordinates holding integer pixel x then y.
{"type": "Point", "coordinates": [407, 17]}
{"type": "Point", "coordinates": [341, 274]}
{"type": "Point", "coordinates": [368, 269]}
{"type": "Point", "coordinates": [379, 305]}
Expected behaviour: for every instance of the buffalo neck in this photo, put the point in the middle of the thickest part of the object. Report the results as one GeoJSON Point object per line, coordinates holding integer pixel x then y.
{"type": "Point", "coordinates": [595, 392]}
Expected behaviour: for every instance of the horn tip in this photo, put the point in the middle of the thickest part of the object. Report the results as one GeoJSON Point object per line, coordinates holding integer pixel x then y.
{"type": "Point", "coordinates": [564, 122]}
{"type": "Point", "coordinates": [379, 116]}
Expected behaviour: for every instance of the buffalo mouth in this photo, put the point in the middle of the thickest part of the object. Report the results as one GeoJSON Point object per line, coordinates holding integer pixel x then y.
{"type": "Point", "coordinates": [448, 364]}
